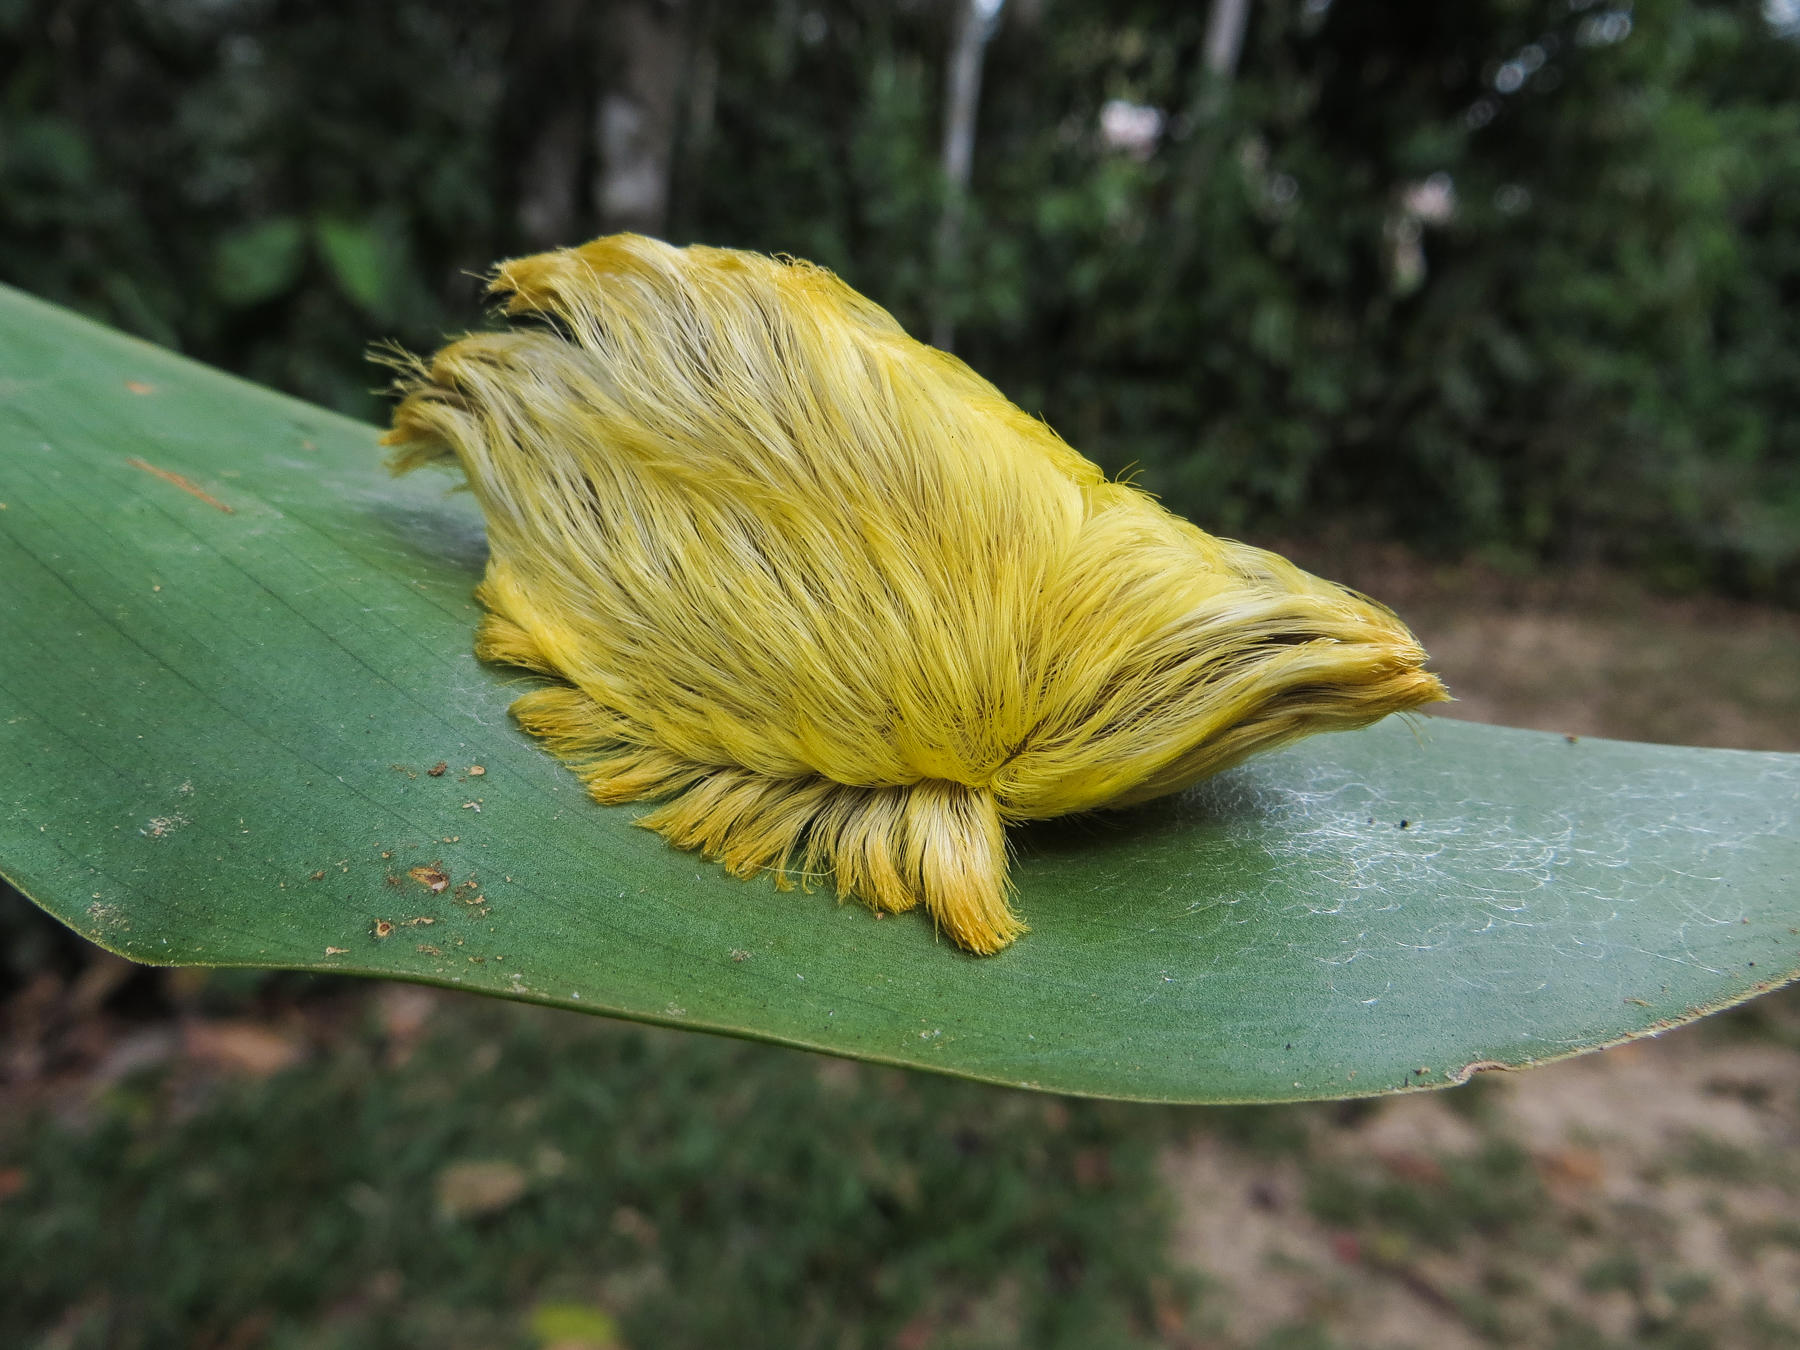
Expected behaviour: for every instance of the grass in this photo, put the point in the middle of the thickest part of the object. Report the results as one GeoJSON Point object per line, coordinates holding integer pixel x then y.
{"type": "Point", "coordinates": [813, 1202]}
{"type": "Point", "coordinates": [232, 1161]}
{"type": "Point", "coordinates": [1488, 1193]}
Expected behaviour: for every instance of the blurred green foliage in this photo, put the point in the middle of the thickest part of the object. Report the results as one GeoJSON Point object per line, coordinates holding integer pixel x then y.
{"type": "Point", "coordinates": [1520, 276]}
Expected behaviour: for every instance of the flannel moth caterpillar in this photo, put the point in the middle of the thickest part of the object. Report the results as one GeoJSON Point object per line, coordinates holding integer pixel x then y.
{"type": "Point", "coordinates": [836, 605]}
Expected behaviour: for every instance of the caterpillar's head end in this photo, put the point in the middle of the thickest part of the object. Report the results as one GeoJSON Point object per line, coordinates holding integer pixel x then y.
{"type": "Point", "coordinates": [1270, 656]}
{"type": "Point", "coordinates": [1349, 663]}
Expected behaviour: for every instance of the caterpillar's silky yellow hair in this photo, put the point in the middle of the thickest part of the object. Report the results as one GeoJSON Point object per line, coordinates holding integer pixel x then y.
{"type": "Point", "coordinates": [833, 599]}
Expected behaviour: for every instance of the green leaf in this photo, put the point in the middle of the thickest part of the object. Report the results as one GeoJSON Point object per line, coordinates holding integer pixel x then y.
{"type": "Point", "coordinates": [48, 151]}
{"type": "Point", "coordinates": [260, 261]}
{"type": "Point", "coordinates": [233, 648]}
{"type": "Point", "coordinates": [364, 260]}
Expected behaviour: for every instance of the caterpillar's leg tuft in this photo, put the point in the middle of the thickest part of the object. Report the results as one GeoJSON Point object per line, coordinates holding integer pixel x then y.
{"type": "Point", "coordinates": [960, 846]}
{"type": "Point", "coordinates": [933, 843]}
{"type": "Point", "coordinates": [749, 822]}
{"type": "Point", "coordinates": [499, 640]}
{"type": "Point", "coordinates": [938, 843]}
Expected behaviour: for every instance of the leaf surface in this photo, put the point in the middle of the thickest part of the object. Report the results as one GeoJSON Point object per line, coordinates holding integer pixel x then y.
{"type": "Point", "coordinates": [232, 650]}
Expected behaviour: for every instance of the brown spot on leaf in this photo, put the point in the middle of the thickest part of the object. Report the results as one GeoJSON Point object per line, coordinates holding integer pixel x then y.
{"type": "Point", "coordinates": [139, 387]}
{"type": "Point", "coordinates": [437, 770]}
{"type": "Point", "coordinates": [383, 928]}
{"type": "Point", "coordinates": [1468, 1071]}
{"type": "Point", "coordinates": [187, 485]}
{"type": "Point", "coordinates": [432, 878]}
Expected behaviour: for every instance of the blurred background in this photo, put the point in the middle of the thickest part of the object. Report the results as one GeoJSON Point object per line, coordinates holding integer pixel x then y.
{"type": "Point", "coordinates": [1506, 275]}
{"type": "Point", "coordinates": [1491, 308]}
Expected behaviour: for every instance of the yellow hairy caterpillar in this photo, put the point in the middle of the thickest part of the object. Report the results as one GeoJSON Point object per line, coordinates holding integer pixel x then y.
{"type": "Point", "coordinates": [837, 604]}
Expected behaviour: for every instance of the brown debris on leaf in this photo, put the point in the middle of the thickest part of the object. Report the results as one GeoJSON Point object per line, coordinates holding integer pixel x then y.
{"type": "Point", "coordinates": [432, 878]}
{"type": "Point", "coordinates": [187, 485]}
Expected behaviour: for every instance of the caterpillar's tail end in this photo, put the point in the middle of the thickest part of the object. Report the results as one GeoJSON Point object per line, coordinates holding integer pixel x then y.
{"type": "Point", "coordinates": [414, 440]}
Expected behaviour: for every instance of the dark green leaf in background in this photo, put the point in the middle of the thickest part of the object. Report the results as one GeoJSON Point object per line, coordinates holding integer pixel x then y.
{"type": "Point", "coordinates": [259, 262]}
{"type": "Point", "coordinates": [364, 261]}
{"type": "Point", "coordinates": [232, 651]}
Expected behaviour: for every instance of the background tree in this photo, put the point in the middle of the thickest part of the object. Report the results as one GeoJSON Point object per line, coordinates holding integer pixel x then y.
{"type": "Point", "coordinates": [1516, 275]}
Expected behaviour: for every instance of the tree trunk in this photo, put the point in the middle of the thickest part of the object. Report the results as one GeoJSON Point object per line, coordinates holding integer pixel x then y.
{"type": "Point", "coordinates": [635, 129]}
{"type": "Point", "coordinates": [544, 119]}
{"type": "Point", "coordinates": [1225, 24]}
{"type": "Point", "coordinates": [693, 142]}
{"type": "Point", "coordinates": [976, 22]}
